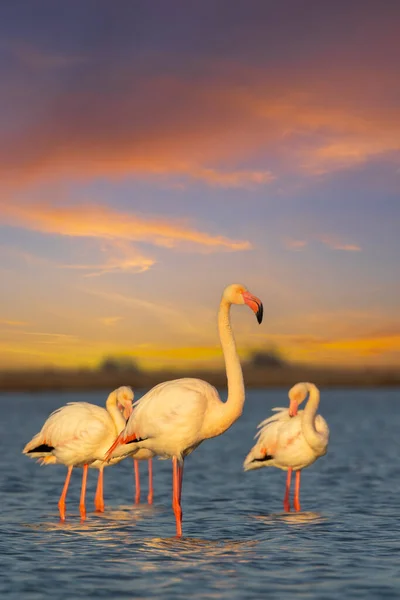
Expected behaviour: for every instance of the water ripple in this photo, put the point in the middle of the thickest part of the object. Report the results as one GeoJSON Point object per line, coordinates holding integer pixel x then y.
{"type": "Point", "coordinates": [237, 541]}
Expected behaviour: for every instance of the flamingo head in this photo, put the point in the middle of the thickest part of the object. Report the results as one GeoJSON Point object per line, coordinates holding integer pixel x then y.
{"type": "Point", "coordinates": [125, 399]}
{"type": "Point", "coordinates": [239, 294]}
{"type": "Point", "coordinates": [297, 394]}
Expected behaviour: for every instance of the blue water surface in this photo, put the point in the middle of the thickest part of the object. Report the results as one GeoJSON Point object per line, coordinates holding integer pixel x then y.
{"type": "Point", "coordinates": [237, 541]}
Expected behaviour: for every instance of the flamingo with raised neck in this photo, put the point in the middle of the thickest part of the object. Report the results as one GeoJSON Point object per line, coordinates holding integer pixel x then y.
{"type": "Point", "coordinates": [174, 417]}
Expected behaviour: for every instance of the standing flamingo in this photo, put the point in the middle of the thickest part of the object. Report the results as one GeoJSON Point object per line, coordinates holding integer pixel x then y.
{"type": "Point", "coordinates": [291, 440]}
{"type": "Point", "coordinates": [174, 417]}
{"type": "Point", "coordinates": [78, 435]}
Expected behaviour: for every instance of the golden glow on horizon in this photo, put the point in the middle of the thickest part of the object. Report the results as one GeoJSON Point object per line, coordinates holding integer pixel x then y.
{"type": "Point", "coordinates": [356, 352]}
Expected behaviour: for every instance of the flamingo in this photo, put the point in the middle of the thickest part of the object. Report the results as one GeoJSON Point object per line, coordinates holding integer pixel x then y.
{"type": "Point", "coordinates": [291, 440]}
{"type": "Point", "coordinates": [77, 435]}
{"type": "Point", "coordinates": [174, 417]}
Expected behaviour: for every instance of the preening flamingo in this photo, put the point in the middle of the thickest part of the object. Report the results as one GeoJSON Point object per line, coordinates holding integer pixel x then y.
{"type": "Point", "coordinates": [291, 440]}
{"type": "Point", "coordinates": [78, 435]}
{"type": "Point", "coordinates": [174, 417]}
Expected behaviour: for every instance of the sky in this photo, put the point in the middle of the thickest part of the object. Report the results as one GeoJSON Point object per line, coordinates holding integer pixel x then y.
{"type": "Point", "coordinates": [153, 152]}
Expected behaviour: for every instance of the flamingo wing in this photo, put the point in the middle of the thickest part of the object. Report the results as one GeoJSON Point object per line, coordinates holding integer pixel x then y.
{"type": "Point", "coordinates": [72, 433]}
{"type": "Point", "coordinates": [168, 407]}
{"type": "Point", "coordinates": [168, 420]}
{"type": "Point", "coordinates": [269, 439]}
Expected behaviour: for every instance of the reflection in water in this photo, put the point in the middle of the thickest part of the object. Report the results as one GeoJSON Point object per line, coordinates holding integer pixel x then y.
{"type": "Point", "coordinates": [96, 525]}
{"type": "Point", "coordinates": [293, 518]}
{"type": "Point", "coordinates": [187, 545]}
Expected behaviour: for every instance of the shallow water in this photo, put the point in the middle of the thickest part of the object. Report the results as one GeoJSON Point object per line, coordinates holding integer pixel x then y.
{"type": "Point", "coordinates": [238, 543]}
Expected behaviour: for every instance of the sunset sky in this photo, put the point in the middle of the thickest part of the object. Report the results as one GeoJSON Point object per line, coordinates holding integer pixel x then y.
{"type": "Point", "coordinates": [152, 152]}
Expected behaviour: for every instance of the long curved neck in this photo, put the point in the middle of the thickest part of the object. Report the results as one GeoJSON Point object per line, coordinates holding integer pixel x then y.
{"type": "Point", "coordinates": [232, 408]}
{"type": "Point", "coordinates": [312, 436]}
{"type": "Point", "coordinates": [114, 412]}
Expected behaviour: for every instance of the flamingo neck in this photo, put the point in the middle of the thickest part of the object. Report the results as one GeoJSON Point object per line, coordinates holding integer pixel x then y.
{"type": "Point", "coordinates": [114, 412]}
{"type": "Point", "coordinates": [313, 438]}
{"type": "Point", "coordinates": [232, 408]}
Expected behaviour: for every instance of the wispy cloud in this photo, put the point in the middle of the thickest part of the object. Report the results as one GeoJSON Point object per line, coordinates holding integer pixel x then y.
{"type": "Point", "coordinates": [336, 244]}
{"type": "Point", "coordinates": [171, 317]}
{"type": "Point", "coordinates": [333, 242]}
{"type": "Point", "coordinates": [122, 257]}
{"type": "Point", "coordinates": [103, 222]}
{"type": "Point", "coordinates": [232, 179]}
{"type": "Point", "coordinates": [12, 323]}
{"type": "Point", "coordinates": [293, 244]}
{"type": "Point", "coordinates": [110, 321]}
{"type": "Point", "coordinates": [44, 337]}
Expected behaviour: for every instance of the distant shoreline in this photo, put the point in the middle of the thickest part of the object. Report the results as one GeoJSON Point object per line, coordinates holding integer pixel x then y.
{"type": "Point", "coordinates": [90, 380]}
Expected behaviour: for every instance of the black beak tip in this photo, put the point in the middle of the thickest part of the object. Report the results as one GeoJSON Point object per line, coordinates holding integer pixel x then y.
{"type": "Point", "coordinates": [260, 313]}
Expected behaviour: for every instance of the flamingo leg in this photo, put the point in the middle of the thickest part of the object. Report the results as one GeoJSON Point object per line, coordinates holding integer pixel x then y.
{"type": "Point", "coordinates": [150, 493]}
{"type": "Point", "coordinates": [180, 473]}
{"type": "Point", "coordinates": [82, 507]}
{"type": "Point", "coordinates": [296, 499]}
{"type": "Point", "coordinates": [177, 472]}
{"type": "Point", "coordinates": [99, 499]}
{"type": "Point", "coordinates": [286, 503]}
{"type": "Point", "coordinates": [61, 502]}
{"type": "Point", "coordinates": [137, 481]}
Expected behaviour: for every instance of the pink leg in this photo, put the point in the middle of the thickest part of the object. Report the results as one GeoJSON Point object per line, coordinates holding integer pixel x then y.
{"type": "Point", "coordinates": [286, 503]}
{"type": "Point", "coordinates": [296, 500]}
{"type": "Point", "coordinates": [61, 502]}
{"type": "Point", "coordinates": [150, 494]}
{"type": "Point", "coordinates": [180, 472]}
{"type": "Point", "coordinates": [176, 494]}
{"type": "Point", "coordinates": [98, 499]}
{"type": "Point", "coordinates": [137, 481]}
{"type": "Point", "coordinates": [82, 508]}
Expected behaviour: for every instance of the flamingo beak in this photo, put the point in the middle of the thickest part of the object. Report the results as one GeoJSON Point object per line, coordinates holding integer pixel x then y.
{"type": "Point", "coordinates": [293, 407]}
{"type": "Point", "coordinates": [127, 411]}
{"type": "Point", "coordinates": [255, 304]}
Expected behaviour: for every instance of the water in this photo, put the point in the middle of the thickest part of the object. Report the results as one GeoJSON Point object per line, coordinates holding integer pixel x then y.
{"type": "Point", "coordinates": [238, 543]}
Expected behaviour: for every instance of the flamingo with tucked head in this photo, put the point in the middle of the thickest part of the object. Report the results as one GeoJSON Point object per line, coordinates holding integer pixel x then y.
{"type": "Point", "coordinates": [78, 435]}
{"type": "Point", "coordinates": [174, 417]}
{"type": "Point", "coordinates": [291, 440]}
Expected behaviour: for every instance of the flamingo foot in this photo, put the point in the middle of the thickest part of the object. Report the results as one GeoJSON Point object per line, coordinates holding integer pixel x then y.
{"type": "Point", "coordinates": [61, 508]}
{"type": "Point", "coordinates": [178, 518]}
{"type": "Point", "coordinates": [286, 505]}
{"type": "Point", "coordinates": [296, 504]}
{"type": "Point", "coordinates": [99, 507]}
{"type": "Point", "coordinates": [82, 510]}
{"type": "Point", "coordinates": [150, 498]}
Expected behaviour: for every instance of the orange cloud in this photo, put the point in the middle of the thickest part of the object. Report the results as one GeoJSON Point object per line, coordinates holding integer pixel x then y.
{"type": "Point", "coordinates": [335, 244]}
{"type": "Point", "coordinates": [174, 126]}
{"type": "Point", "coordinates": [90, 220]}
{"type": "Point", "coordinates": [331, 241]}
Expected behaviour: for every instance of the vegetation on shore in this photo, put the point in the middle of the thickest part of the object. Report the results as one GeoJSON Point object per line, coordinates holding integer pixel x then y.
{"type": "Point", "coordinates": [263, 370]}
